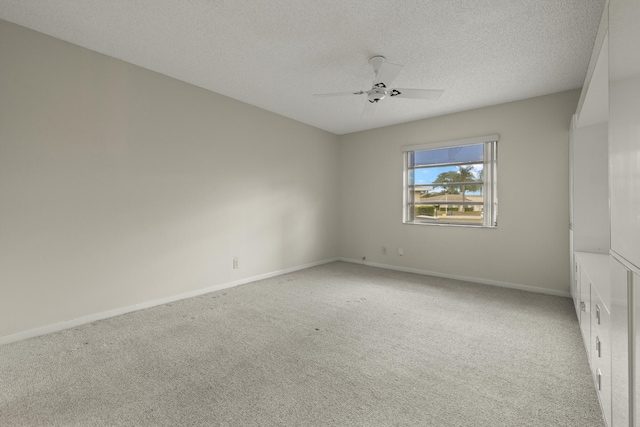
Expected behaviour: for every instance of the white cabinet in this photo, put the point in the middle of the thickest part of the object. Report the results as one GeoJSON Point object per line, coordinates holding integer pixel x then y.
{"type": "Point", "coordinates": [593, 299]}
{"type": "Point", "coordinates": [635, 291]}
{"type": "Point", "coordinates": [575, 289]}
{"type": "Point", "coordinates": [625, 168]}
{"type": "Point", "coordinates": [610, 316]}
{"type": "Point", "coordinates": [590, 193]}
{"type": "Point", "coordinates": [622, 353]}
{"type": "Point", "coordinates": [624, 181]}
{"type": "Point", "coordinates": [589, 219]}
{"type": "Point", "coordinates": [600, 349]}
{"type": "Point", "coordinates": [588, 178]}
{"type": "Point", "coordinates": [624, 128]}
{"type": "Point", "coordinates": [585, 305]}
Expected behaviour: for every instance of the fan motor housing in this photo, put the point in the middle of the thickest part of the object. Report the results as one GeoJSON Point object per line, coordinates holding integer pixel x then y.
{"type": "Point", "coordinates": [376, 94]}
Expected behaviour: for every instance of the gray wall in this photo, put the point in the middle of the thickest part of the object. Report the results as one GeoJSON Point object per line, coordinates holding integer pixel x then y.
{"type": "Point", "coordinates": [530, 247]}
{"type": "Point", "coordinates": [119, 185]}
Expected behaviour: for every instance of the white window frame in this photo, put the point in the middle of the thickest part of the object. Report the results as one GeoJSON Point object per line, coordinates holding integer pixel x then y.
{"type": "Point", "coordinates": [490, 194]}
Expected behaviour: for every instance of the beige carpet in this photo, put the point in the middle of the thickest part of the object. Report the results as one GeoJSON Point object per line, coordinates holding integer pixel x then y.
{"type": "Point", "coordinates": [335, 345]}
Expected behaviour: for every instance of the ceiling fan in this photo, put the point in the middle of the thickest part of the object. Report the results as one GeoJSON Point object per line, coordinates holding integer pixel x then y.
{"type": "Point", "coordinates": [385, 72]}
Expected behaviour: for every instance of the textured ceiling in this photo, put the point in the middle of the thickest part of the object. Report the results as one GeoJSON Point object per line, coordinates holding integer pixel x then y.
{"type": "Point", "coordinates": [276, 54]}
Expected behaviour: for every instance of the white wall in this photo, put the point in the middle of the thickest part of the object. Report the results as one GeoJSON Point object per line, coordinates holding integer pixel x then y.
{"type": "Point", "coordinates": [530, 247]}
{"type": "Point", "coordinates": [119, 185]}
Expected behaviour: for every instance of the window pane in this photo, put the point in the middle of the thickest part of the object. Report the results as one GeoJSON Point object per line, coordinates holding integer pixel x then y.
{"type": "Point", "coordinates": [426, 194]}
{"type": "Point", "coordinates": [430, 174]}
{"type": "Point", "coordinates": [460, 154]}
{"type": "Point", "coordinates": [450, 214]}
{"type": "Point", "coordinates": [411, 176]}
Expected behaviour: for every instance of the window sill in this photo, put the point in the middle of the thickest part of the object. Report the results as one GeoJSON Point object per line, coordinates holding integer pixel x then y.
{"type": "Point", "coordinates": [448, 224]}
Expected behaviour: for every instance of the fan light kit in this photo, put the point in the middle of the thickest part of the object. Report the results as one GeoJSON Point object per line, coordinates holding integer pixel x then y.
{"type": "Point", "coordinates": [385, 73]}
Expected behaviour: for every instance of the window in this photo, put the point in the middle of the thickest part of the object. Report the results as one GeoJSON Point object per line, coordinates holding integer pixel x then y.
{"type": "Point", "coordinates": [452, 183]}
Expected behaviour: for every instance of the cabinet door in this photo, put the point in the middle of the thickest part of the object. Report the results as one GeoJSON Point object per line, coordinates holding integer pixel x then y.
{"type": "Point", "coordinates": [590, 190]}
{"type": "Point", "coordinates": [585, 310]}
{"type": "Point", "coordinates": [575, 286]}
{"type": "Point", "coordinates": [620, 416]}
{"type": "Point", "coordinates": [624, 122]}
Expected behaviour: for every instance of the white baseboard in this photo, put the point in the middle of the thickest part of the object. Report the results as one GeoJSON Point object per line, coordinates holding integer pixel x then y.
{"type": "Point", "coordinates": [464, 278]}
{"type": "Point", "coordinates": [55, 327]}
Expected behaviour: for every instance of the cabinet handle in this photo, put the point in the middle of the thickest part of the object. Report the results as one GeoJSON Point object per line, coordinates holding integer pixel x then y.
{"type": "Point", "coordinates": [598, 314]}
{"type": "Point", "coordinates": [599, 379]}
{"type": "Point", "coordinates": [598, 347]}
{"type": "Point", "coordinates": [583, 307]}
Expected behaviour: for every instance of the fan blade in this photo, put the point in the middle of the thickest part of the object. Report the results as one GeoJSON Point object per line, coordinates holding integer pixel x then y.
{"type": "Point", "coordinates": [369, 109]}
{"type": "Point", "coordinates": [415, 93]}
{"type": "Point", "coordinates": [322, 95]}
{"type": "Point", "coordinates": [386, 74]}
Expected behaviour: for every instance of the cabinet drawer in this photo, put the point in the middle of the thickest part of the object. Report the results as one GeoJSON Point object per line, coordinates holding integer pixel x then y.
{"type": "Point", "coordinates": [600, 349]}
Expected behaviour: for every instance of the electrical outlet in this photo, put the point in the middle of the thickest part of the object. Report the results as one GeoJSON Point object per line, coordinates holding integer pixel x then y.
{"type": "Point", "coordinates": [236, 263]}
{"type": "Point", "coordinates": [384, 250]}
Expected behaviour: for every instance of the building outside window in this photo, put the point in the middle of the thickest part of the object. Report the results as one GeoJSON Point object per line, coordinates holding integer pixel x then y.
{"type": "Point", "coordinates": [452, 183]}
